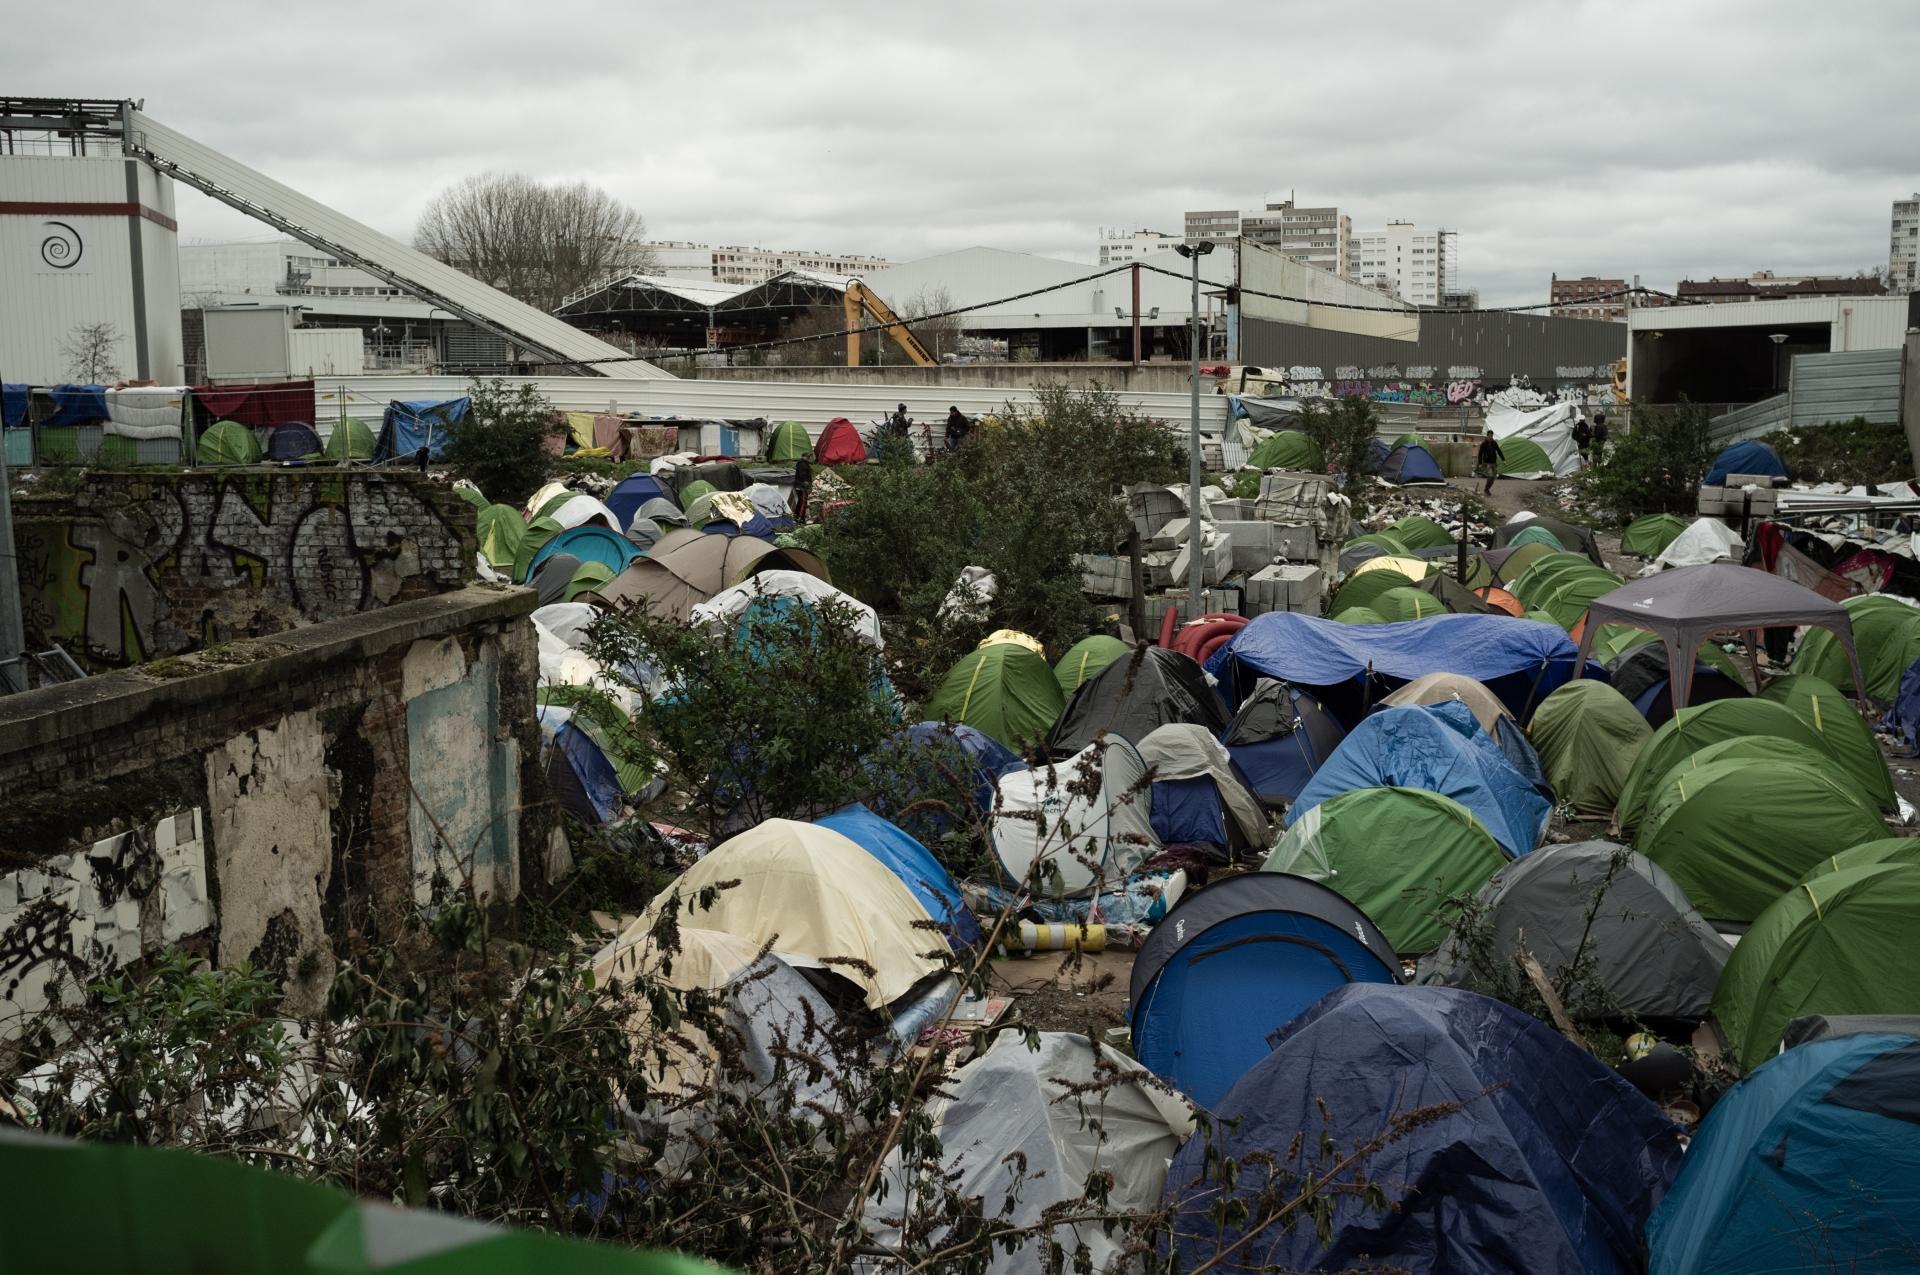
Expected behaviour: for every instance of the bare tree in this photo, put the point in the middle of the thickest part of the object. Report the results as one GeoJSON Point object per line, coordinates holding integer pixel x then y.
{"type": "Point", "coordinates": [824, 324]}
{"type": "Point", "coordinates": [941, 336]}
{"type": "Point", "coordinates": [91, 352]}
{"type": "Point", "coordinates": [535, 242]}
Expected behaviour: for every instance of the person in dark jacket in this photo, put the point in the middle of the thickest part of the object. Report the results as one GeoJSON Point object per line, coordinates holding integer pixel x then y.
{"type": "Point", "coordinates": [1489, 460]}
{"type": "Point", "coordinates": [1582, 435]}
{"type": "Point", "coordinates": [802, 487]}
{"type": "Point", "coordinates": [957, 427]}
{"type": "Point", "coordinates": [900, 422]}
{"type": "Point", "coordinates": [1599, 437]}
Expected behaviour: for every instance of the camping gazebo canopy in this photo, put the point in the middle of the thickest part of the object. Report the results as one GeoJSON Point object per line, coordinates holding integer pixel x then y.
{"type": "Point", "coordinates": [1687, 605]}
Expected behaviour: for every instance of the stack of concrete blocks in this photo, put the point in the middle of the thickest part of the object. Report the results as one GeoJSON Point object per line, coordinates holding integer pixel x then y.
{"type": "Point", "coordinates": [1311, 520]}
{"type": "Point", "coordinates": [1286, 587]}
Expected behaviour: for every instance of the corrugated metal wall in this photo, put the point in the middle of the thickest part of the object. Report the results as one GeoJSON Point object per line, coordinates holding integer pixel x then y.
{"type": "Point", "coordinates": [1839, 387]}
{"type": "Point", "coordinates": [1750, 421]}
{"type": "Point", "coordinates": [1487, 347]}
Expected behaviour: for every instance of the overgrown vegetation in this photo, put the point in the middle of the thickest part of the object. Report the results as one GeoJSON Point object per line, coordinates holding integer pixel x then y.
{"type": "Point", "coordinates": [1344, 432]}
{"type": "Point", "coordinates": [1656, 467]}
{"type": "Point", "coordinates": [1851, 452]}
{"type": "Point", "coordinates": [502, 449]}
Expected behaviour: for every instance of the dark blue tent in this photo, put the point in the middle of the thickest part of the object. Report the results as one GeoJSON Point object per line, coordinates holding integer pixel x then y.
{"type": "Point", "coordinates": [1538, 1158]}
{"type": "Point", "coordinates": [1187, 812]}
{"type": "Point", "coordinates": [930, 759]}
{"type": "Point", "coordinates": [292, 441]}
{"type": "Point", "coordinates": [588, 543]}
{"type": "Point", "coordinates": [1441, 748]}
{"type": "Point", "coordinates": [409, 426]}
{"type": "Point", "coordinates": [1903, 718]}
{"type": "Point", "coordinates": [1411, 463]}
{"type": "Point", "coordinates": [76, 405]}
{"type": "Point", "coordinates": [1748, 456]}
{"type": "Point", "coordinates": [1234, 961]}
{"type": "Point", "coordinates": [755, 526]}
{"type": "Point", "coordinates": [1277, 739]}
{"type": "Point", "coordinates": [634, 491]}
{"type": "Point", "coordinates": [13, 403]}
{"type": "Point", "coordinates": [913, 864]}
{"type": "Point", "coordinates": [1353, 666]}
{"type": "Point", "coordinates": [579, 772]}
{"type": "Point", "coordinates": [1640, 674]}
{"type": "Point", "coordinates": [1812, 1163]}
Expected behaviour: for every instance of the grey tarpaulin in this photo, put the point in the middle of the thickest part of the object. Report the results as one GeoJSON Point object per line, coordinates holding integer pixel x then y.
{"type": "Point", "coordinates": [1686, 606]}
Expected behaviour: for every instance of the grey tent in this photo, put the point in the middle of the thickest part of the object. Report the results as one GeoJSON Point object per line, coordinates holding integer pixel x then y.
{"type": "Point", "coordinates": [1572, 537]}
{"type": "Point", "coordinates": [553, 577]}
{"type": "Point", "coordinates": [1135, 695]}
{"type": "Point", "coordinates": [1822, 1026]}
{"type": "Point", "coordinates": [662, 511]}
{"type": "Point", "coordinates": [1686, 606]}
{"type": "Point", "coordinates": [1650, 952]}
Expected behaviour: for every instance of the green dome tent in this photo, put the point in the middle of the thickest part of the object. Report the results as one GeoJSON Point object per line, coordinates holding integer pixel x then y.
{"type": "Point", "coordinates": [1523, 456]}
{"type": "Point", "coordinates": [1406, 603]}
{"type": "Point", "coordinates": [1886, 633]}
{"type": "Point", "coordinates": [1360, 615]}
{"type": "Point", "coordinates": [1085, 658]}
{"type": "Point", "coordinates": [470, 493]}
{"type": "Point", "coordinates": [1397, 854]}
{"type": "Point", "coordinates": [1692, 729]}
{"type": "Point", "coordinates": [1518, 562]}
{"type": "Point", "coordinates": [1363, 587]}
{"type": "Point", "coordinates": [1885, 850]}
{"type": "Point", "coordinates": [351, 439]}
{"type": "Point", "coordinates": [700, 509]}
{"type": "Point", "coordinates": [540, 530]}
{"type": "Point", "coordinates": [501, 530]}
{"type": "Point", "coordinates": [1615, 640]}
{"type": "Point", "coordinates": [694, 490]}
{"type": "Point", "coordinates": [228, 443]}
{"type": "Point", "coordinates": [589, 577]}
{"type": "Point", "coordinates": [1840, 944]}
{"type": "Point", "coordinates": [1736, 835]}
{"type": "Point", "coordinates": [1544, 571]}
{"type": "Point", "coordinates": [1587, 735]}
{"type": "Point", "coordinates": [1836, 719]}
{"type": "Point", "coordinates": [789, 442]}
{"type": "Point", "coordinates": [1418, 532]}
{"type": "Point", "coordinates": [1569, 596]}
{"type": "Point", "coordinates": [1004, 690]}
{"type": "Point", "coordinates": [1288, 449]}
{"type": "Point", "coordinates": [1381, 539]}
{"type": "Point", "coordinates": [1649, 536]}
{"type": "Point", "coordinates": [1537, 536]}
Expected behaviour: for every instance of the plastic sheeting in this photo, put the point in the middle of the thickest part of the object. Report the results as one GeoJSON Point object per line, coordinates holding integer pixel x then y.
{"type": "Point", "coordinates": [1705, 540]}
{"type": "Point", "coordinates": [727, 606]}
{"type": "Point", "coordinates": [1085, 822]}
{"type": "Point", "coordinates": [1548, 428]}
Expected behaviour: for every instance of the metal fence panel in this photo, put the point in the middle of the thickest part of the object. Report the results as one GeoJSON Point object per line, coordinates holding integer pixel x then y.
{"type": "Point", "coordinates": [1839, 387]}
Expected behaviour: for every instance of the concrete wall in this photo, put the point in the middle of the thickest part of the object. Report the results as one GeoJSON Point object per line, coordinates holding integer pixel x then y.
{"type": "Point", "coordinates": [134, 567]}
{"type": "Point", "coordinates": [1152, 378]}
{"type": "Point", "coordinates": [266, 801]}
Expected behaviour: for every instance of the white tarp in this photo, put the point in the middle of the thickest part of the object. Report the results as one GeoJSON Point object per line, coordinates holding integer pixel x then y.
{"type": "Point", "coordinates": [1060, 1110]}
{"type": "Point", "coordinates": [968, 598]}
{"type": "Point", "coordinates": [582, 509]}
{"type": "Point", "coordinates": [1707, 540]}
{"type": "Point", "coordinates": [1093, 835]}
{"type": "Point", "coordinates": [1549, 427]}
{"type": "Point", "coordinates": [726, 607]}
{"type": "Point", "coordinates": [145, 411]}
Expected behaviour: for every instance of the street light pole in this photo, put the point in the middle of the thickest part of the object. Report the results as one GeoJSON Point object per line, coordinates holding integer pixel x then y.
{"type": "Point", "coordinates": [1193, 252]}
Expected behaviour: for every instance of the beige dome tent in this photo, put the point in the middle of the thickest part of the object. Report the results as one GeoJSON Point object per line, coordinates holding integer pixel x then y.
{"type": "Point", "coordinates": [688, 567]}
{"type": "Point", "coordinates": [1438, 688]}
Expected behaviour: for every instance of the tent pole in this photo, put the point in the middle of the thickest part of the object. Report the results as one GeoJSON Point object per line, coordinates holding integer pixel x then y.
{"type": "Point", "coordinates": [1679, 677]}
{"type": "Point", "coordinates": [1753, 658]}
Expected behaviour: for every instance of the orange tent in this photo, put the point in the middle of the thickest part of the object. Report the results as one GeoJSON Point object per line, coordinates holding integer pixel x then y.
{"type": "Point", "coordinates": [1502, 599]}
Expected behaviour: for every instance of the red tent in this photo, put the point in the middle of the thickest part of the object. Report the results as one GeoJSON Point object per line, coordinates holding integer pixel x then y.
{"type": "Point", "coordinates": [840, 444]}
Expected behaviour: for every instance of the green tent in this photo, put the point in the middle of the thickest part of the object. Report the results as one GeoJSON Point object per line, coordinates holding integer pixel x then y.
{"type": "Point", "coordinates": [1735, 835]}
{"type": "Point", "coordinates": [173, 1210]}
{"type": "Point", "coordinates": [1362, 588]}
{"type": "Point", "coordinates": [351, 440]}
{"type": "Point", "coordinates": [532, 540]}
{"type": "Point", "coordinates": [1539, 575]}
{"type": "Point", "coordinates": [1408, 440]}
{"type": "Point", "coordinates": [1288, 449]}
{"type": "Point", "coordinates": [1587, 735]}
{"type": "Point", "coordinates": [1837, 720]}
{"type": "Point", "coordinates": [1840, 944]}
{"type": "Point", "coordinates": [1692, 729]}
{"type": "Point", "coordinates": [1539, 617]}
{"type": "Point", "coordinates": [1886, 634]}
{"type": "Point", "coordinates": [1398, 854]}
{"type": "Point", "coordinates": [1085, 658]}
{"type": "Point", "coordinates": [700, 509]}
{"type": "Point", "coordinates": [1406, 603]}
{"type": "Point", "coordinates": [1648, 536]}
{"type": "Point", "coordinates": [1418, 532]}
{"type": "Point", "coordinates": [1568, 598]}
{"type": "Point", "coordinates": [1523, 456]}
{"type": "Point", "coordinates": [228, 443]}
{"type": "Point", "coordinates": [1615, 640]}
{"type": "Point", "coordinates": [1537, 536]}
{"type": "Point", "coordinates": [1519, 561]}
{"type": "Point", "coordinates": [470, 493]}
{"type": "Point", "coordinates": [1381, 539]}
{"type": "Point", "coordinates": [501, 530]}
{"type": "Point", "coordinates": [1360, 615]}
{"type": "Point", "coordinates": [589, 577]}
{"type": "Point", "coordinates": [554, 503]}
{"type": "Point", "coordinates": [1885, 850]}
{"type": "Point", "coordinates": [789, 442]}
{"type": "Point", "coordinates": [694, 490]}
{"type": "Point", "coordinates": [1004, 690]}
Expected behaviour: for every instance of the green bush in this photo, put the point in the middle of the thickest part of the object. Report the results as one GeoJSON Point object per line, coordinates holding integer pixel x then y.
{"type": "Point", "coordinates": [1855, 451]}
{"type": "Point", "coordinates": [1344, 432]}
{"type": "Point", "coordinates": [1656, 467]}
{"type": "Point", "coordinates": [502, 449]}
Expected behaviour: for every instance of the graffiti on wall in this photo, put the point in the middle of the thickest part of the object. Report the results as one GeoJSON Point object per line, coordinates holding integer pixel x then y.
{"type": "Point", "coordinates": [184, 563]}
{"type": "Point", "coordinates": [1460, 385]}
{"type": "Point", "coordinates": [72, 918]}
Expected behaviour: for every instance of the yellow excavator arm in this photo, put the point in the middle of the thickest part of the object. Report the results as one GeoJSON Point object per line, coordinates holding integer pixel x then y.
{"type": "Point", "coordinates": [863, 307]}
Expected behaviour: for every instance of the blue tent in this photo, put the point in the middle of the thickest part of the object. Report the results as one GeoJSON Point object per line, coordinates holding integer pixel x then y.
{"type": "Point", "coordinates": [907, 859]}
{"type": "Point", "coordinates": [1231, 963]}
{"type": "Point", "coordinates": [76, 405]}
{"type": "Point", "coordinates": [1411, 463]}
{"type": "Point", "coordinates": [588, 543]}
{"type": "Point", "coordinates": [1748, 456]}
{"type": "Point", "coordinates": [408, 426]}
{"type": "Point", "coordinates": [755, 526]}
{"type": "Point", "coordinates": [1278, 738]}
{"type": "Point", "coordinates": [1188, 812]}
{"type": "Point", "coordinates": [634, 491]}
{"type": "Point", "coordinates": [917, 761]}
{"type": "Point", "coordinates": [1351, 666]}
{"type": "Point", "coordinates": [1547, 1161]}
{"type": "Point", "coordinates": [1441, 748]}
{"type": "Point", "coordinates": [292, 441]}
{"type": "Point", "coordinates": [581, 775]}
{"type": "Point", "coordinates": [1812, 1162]}
{"type": "Point", "coordinates": [13, 403]}
{"type": "Point", "coordinates": [1903, 718]}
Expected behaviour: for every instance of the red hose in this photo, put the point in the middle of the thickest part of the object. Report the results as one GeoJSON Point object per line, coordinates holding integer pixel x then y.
{"type": "Point", "coordinates": [1167, 623]}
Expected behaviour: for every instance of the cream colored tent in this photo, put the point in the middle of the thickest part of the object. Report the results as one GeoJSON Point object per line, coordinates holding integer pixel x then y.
{"type": "Point", "coordinates": [1088, 817]}
{"type": "Point", "coordinates": [1438, 688]}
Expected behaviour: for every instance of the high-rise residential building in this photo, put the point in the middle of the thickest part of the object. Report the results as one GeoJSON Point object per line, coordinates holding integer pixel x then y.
{"type": "Point", "coordinates": [1319, 237]}
{"type": "Point", "coordinates": [1407, 261]}
{"type": "Point", "coordinates": [730, 263]}
{"type": "Point", "coordinates": [1903, 255]}
{"type": "Point", "coordinates": [1120, 246]}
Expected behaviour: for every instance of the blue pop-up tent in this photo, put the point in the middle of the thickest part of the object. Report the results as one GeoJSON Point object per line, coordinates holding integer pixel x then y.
{"type": "Point", "coordinates": [1353, 666]}
{"type": "Point", "coordinates": [1411, 463]}
{"type": "Point", "coordinates": [1748, 456]}
{"type": "Point", "coordinates": [634, 491]}
{"type": "Point", "coordinates": [1812, 1162]}
{"type": "Point", "coordinates": [1531, 1154]}
{"type": "Point", "coordinates": [1439, 748]}
{"type": "Point", "coordinates": [410, 425]}
{"type": "Point", "coordinates": [1278, 738]}
{"type": "Point", "coordinates": [916, 867]}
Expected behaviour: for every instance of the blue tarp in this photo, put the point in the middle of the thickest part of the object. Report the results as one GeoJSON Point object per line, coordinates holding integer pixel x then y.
{"type": "Point", "coordinates": [1411, 463]}
{"type": "Point", "coordinates": [1903, 719]}
{"type": "Point", "coordinates": [913, 864]}
{"type": "Point", "coordinates": [410, 425]}
{"type": "Point", "coordinates": [588, 544]}
{"type": "Point", "coordinates": [634, 491]}
{"type": "Point", "coordinates": [1549, 1163]}
{"type": "Point", "coordinates": [1812, 1162]}
{"type": "Point", "coordinates": [1520, 661]}
{"type": "Point", "coordinates": [13, 403]}
{"type": "Point", "coordinates": [76, 405]}
{"type": "Point", "coordinates": [755, 526]}
{"type": "Point", "coordinates": [1441, 748]}
{"type": "Point", "coordinates": [1748, 456]}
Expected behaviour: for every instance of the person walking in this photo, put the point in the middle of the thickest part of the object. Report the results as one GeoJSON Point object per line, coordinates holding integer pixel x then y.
{"type": "Point", "coordinates": [957, 427]}
{"type": "Point", "coordinates": [802, 487]}
{"type": "Point", "coordinates": [1599, 437]}
{"type": "Point", "coordinates": [1489, 460]}
{"type": "Point", "coordinates": [1582, 434]}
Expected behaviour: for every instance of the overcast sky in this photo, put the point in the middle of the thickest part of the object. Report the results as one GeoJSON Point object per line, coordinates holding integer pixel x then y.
{"type": "Point", "coordinates": [1665, 137]}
